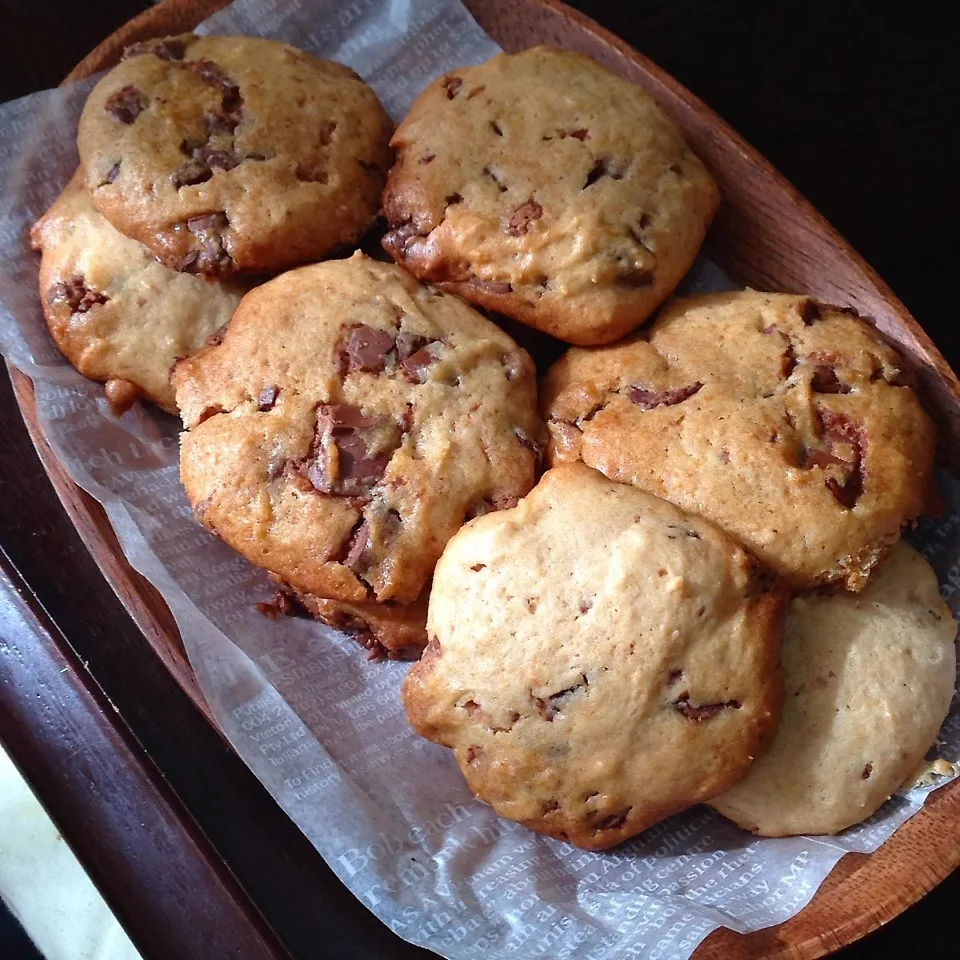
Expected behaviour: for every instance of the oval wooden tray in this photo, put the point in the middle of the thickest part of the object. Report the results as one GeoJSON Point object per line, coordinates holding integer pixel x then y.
{"type": "Point", "coordinates": [766, 236]}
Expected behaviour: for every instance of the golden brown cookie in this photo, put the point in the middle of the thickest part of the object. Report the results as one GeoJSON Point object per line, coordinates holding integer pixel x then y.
{"type": "Point", "coordinates": [228, 154]}
{"type": "Point", "coordinates": [542, 185]}
{"type": "Point", "coordinates": [349, 423]}
{"type": "Point", "coordinates": [869, 679]}
{"type": "Point", "coordinates": [598, 659]}
{"type": "Point", "coordinates": [387, 630]}
{"type": "Point", "coordinates": [115, 313]}
{"type": "Point", "coordinates": [788, 423]}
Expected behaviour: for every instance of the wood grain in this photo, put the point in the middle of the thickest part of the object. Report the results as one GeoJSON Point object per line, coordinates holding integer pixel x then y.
{"type": "Point", "coordinates": [767, 236]}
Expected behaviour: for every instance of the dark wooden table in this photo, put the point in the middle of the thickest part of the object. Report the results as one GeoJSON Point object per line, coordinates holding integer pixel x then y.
{"type": "Point", "coordinates": [854, 102]}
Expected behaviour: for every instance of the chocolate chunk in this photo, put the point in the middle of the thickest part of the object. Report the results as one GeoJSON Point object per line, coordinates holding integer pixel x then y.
{"type": "Point", "coordinates": [364, 348]}
{"type": "Point", "coordinates": [187, 263]}
{"type": "Point", "coordinates": [268, 397]}
{"type": "Point", "coordinates": [340, 460]}
{"type": "Point", "coordinates": [867, 771]}
{"type": "Point", "coordinates": [164, 49]}
{"type": "Point", "coordinates": [416, 364]}
{"type": "Point", "coordinates": [452, 199]}
{"type": "Point", "coordinates": [191, 173]}
{"type": "Point", "coordinates": [358, 547]}
{"type": "Point", "coordinates": [356, 463]}
{"type": "Point", "coordinates": [209, 72]}
{"type": "Point", "coordinates": [75, 294]}
{"type": "Point", "coordinates": [809, 311]}
{"type": "Point", "coordinates": [703, 711]}
{"type": "Point", "coordinates": [112, 174]}
{"type": "Point", "coordinates": [232, 101]}
{"type": "Point", "coordinates": [408, 344]}
{"type": "Point", "coordinates": [496, 178]}
{"type": "Point", "coordinates": [674, 675]}
{"type": "Point", "coordinates": [221, 123]}
{"type": "Point", "coordinates": [580, 134]}
{"type": "Point", "coordinates": [125, 105]}
{"type": "Point", "coordinates": [522, 217]}
{"type": "Point", "coordinates": [212, 257]}
{"type": "Point", "coordinates": [845, 444]}
{"type": "Point", "coordinates": [648, 399]}
{"type": "Point", "coordinates": [358, 629]}
{"type": "Point", "coordinates": [849, 491]}
{"type": "Point", "coordinates": [452, 86]}
{"type": "Point", "coordinates": [221, 159]}
{"type": "Point", "coordinates": [283, 604]}
{"type": "Point", "coordinates": [398, 239]}
{"type": "Point", "coordinates": [604, 167]}
{"type": "Point", "coordinates": [820, 458]}
{"type": "Point", "coordinates": [825, 380]}
{"type": "Point", "coordinates": [550, 706]}
{"type": "Point", "coordinates": [788, 362]}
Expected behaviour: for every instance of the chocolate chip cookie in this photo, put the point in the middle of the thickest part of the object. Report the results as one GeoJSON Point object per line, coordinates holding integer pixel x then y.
{"type": "Point", "coordinates": [598, 659]}
{"type": "Point", "coordinates": [227, 154]}
{"type": "Point", "coordinates": [787, 422]}
{"type": "Point", "coordinates": [869, 680]}
{"type": "Point", "coordinates": [542, 185]}
{"type": "Point", "coordinates": [347, 425]}
{"type": "Point", "coordinates": [115, 313]}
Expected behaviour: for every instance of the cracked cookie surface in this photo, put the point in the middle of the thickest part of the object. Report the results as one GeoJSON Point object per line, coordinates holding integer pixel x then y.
{"type": "Point", "coordinates": [115, 313]}
{"type": "Point", "coordinates": [598, 659]}
{"type": "Point", "coordinates": [869, 679]}
{"type": "Point", "coordinates": [347, 425]}
{"type": "Point", "coordinates": [788, 423]}
{"type": "Point", "coordinates": [544, 186]}
{"type": "Point", "coordinates": [227, 154]}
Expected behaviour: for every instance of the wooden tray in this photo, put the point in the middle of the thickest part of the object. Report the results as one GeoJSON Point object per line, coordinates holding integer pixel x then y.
{"type": "Point", "coordinates": [766, 236]}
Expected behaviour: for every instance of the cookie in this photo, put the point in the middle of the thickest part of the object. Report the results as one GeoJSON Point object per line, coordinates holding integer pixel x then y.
{"type": "Point", "coordinates": [348, 424]}
{"type": "Point", "coordinates": [227, 154]}
{"type": "Point", "coordinates": [869, 679]}
{"type": "Point", "coordinates": [388, 630]}
{"type": "Point", "coordinates": [788, 423]}
{"type": "Point", "coordinates": [598, 659]}
{"type": "Point", "coordinates": [542, 185]}
{"type": "Point", "coordinates": [115, 313]}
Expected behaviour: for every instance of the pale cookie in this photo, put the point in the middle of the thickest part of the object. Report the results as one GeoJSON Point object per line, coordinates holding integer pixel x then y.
{"type": "Point", "coordinates": [784, 421]}
{"type": "Point", "coordinates": [115, 313]}
{"type": "Point", "coordinates": [598, 659]}
{"type": "Point", "coordinates": [542, 185]}
{"type": "Point", "coordinates": [348, 424]}
{"type": "Point", "coordinates": [228, 154]}
{"type": "Point", "coordinates": [869, 679]}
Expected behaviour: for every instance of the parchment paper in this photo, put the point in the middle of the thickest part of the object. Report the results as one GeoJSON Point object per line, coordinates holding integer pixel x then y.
{"type": "Point", "coordinates": [320, 726]}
